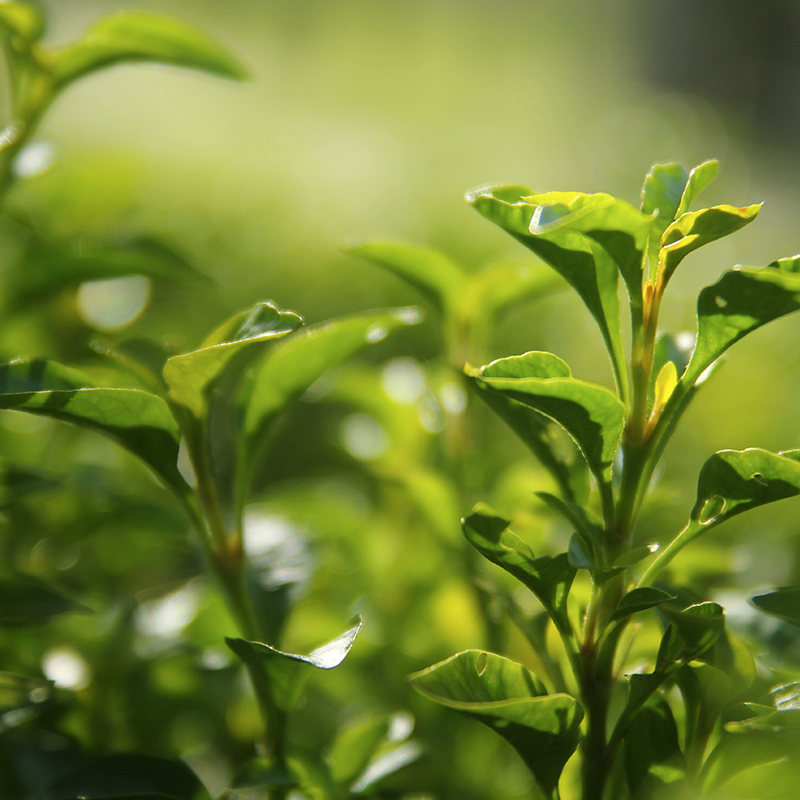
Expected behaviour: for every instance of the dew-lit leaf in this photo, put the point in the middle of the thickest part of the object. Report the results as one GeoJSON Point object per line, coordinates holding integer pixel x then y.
{"type": "Point", "coordinates": [544, 729]}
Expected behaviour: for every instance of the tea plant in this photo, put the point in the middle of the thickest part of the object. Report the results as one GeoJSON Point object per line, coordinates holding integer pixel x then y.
{"type": "Point", "coordinates": [220, 404]}
{"type": "Point", "coordinates": [631, 727]}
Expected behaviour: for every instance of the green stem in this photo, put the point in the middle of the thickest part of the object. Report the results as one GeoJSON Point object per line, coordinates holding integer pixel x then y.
{"type": "Point", "coordinates": [692, 530]}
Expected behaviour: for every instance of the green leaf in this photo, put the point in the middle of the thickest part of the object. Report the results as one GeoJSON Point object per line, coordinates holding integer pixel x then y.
{"type": "Point", "coordinates": [548, 577]}
{"type": "Point", "coordinates": [696, 228]}
{"type": "Point", "coordinates": [652, 752]}
{"type": "Point", "coordinates": [291, 367]}
{"type": "Point", "coordinates": [543, 729]}
{"type": "Point", "coordinates": [287, 671]}
{"type": "Point", "coordinates": [741, 301]}
{"type": "Point", "coordinates": [783, 603]}
{"type": "Point", "coordinates": [431, 273]}
{"type": "Point", "coordinates": [586, 238]}
{"type": "Point", "coordinates": [21, 19]}
{"type": "Point", "coordinates": [139, 421]}
{"type": "Point", "coordinates": [640, 600]}
{"type": "Point", "coordinates": [734, 481]}
{"type": "Point", "coordinates": [354, 747]}
{"type": "Point", "coordinates": [191, 376]}
{"type": "Point", "coordinates": [142, 36]}
{"type": "Point", "coordinates": [584, 520]}
{"type": "Point", "coordinates": [592, 415]}
{"type": "Point", "coordinates": [26, 600]}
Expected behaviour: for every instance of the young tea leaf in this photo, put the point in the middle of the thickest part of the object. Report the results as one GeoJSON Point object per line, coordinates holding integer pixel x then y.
{"type": "Point", "coordinates": [543, 729]}
{"type": "Point", "coordinates": [142, 36]}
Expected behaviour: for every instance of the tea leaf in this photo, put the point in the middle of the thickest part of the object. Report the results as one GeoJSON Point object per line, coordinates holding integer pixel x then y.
{"type": "Point", "coordinates": [590, 414]}
{"type": "Point", "coordinates": [543, 729]}
{"type": "Point", "coordinates": [548, 577]}
{"type": "Point", "coordinates": [291, 367]}
{"type": "Point", "coordinates": [21, 19]}
{"type": "Point", "coordinates": [354, 746]}
{"type": "Point", "coordinates": [142, 36]}
{"type": "Point", "coordinates": [783, 603]}
{"type": "Point", "coordinates": [738, 303]}
{"type": "Point", "coordinates": [286, 671]}
{"type": "Point", "coordinates": [26, 600]}
{"type": "Point", "coordinates": [696, 228]}
{"type": "Point", "coordinates": [139, 421]}
{"type": "Point", "coordinates": [431, 273]}
{"type": "Point", "coordinates": [191, 376]}
{"type": "Point", "coordinates": [640, 600]}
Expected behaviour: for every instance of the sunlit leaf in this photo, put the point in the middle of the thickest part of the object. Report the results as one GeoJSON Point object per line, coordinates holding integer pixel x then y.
{"type": "Point", "coordinates": [738, 303]}
{"type": "Point", "coordinates": [191, 376]}
{"type": "Point", "coordinates": [544, 729]}
{"type": "Point", "coordinates": [142, 36]}
{"type": "Point", "coordinates": [139, 421]}
{"type": "Point", "coordinates": [696, 228]}
{"type": "Point", "coordinates": [783, 603]}
{"type": "Point", "coordinates": [293, 365]}
{"type": "Point", "coordinates": [287, 671]}
{"type": "Point", "coordinates": [592, 415]}
{"type": "Point", "coordinates": [548, 577]}
{"type": "Point", "coordinates": [584, 520]}
{"type": "Point", "coordinates": [640, 600]}
{"type": "Point", "coordinates": [25, 600]}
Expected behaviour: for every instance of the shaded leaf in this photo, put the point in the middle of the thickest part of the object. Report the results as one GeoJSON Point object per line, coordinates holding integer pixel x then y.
{"type": "Point", "coordinates": [783, 603]}
{"type": "Point", "coordinates": [548, 577]}
{"type": "Point", "coordinates": [738, 303]}
{"type": "Point", "coordinates": [291, 367]}
{"type": "Point", "coordinates": [696, 228]}
{"type": "Point", "coordinates": [191, 376]}
{"type": "Point", "coordinates": [544, 729]}
{"type": "Point", "coordinates": [287, 671]}
{"type": "Point", "coordinates": [584, 520]}
{"type": "Point", "coordinates": [431, 273]}
{"type": "Point", "coordinates": [139, 421]}
{"type": "Point", "coordinates": [142, 36]}
{"type": "Point", "coordinates": [640, 600]}
{"type": "Point", "coordinates": [25, 600]}
{"type": "Point", "coordinates": [592, 415]}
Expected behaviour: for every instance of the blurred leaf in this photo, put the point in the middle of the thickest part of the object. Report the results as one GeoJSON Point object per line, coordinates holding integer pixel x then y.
{"type": "Point", "coordinates": [354, 746]}
{"type": "Point", "coordinates": [738, 303]}
{"type": "Point", "coordinates": [640, 600]}
{"type": "Point", "coordinates": [431, 273]}
{"type": "Point", "coordinates": [25, 600]}
{"type": "Point", "coordinates": [130, 776]}
{"type": "Point", "coordinates": [21, 19]}
{"type": "Point", "coordinates": [783, 603]}
{"type": "Point", "coordinates": [652, 752]}
{"type": "Point", "coordinates": [386, 763]}
{"type": "Point", "coordinates": [286, 671]}
{"type": "Point", "coordinates": [590, 414]}
{"type": "Point", "coordinates": [543, 729]}
{"type": "Point", "coordinates": [139, 421]}
{"type": "Point", "coordinates": [50, 266]}
{"type": "Point", "coordinates": [141, 357]}
{"type": "Point", "coordinates": [142, 36]}
{"type": "Point", "coordinates": [696, 228]}
{"type": "Point", "coordinates": [548, 577]}
{"type": "Point", "coordinates": [291, 367]}
{"type": "Point", "coordinates": [734, 481]}
{"type": "Point", "coordinates": [192, 375]}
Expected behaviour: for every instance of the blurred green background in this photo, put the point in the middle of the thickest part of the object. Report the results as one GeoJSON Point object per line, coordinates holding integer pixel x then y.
{"type": "Point", "coordinates": [364, 120]}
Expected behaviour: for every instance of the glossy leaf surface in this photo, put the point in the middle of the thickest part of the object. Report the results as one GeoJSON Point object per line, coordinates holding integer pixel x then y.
{"type": "Point", "coordinates": [738, 303]}
{"type": "Point", "coordinates": [139, 421]}
{"type": "Point", "coordinates": [543, 729]}
{"type": "Point", "coordinates": [143, 36]}
{"type": "Point", "coordinates": [191, 376]}
{"type": "Point", "coordinates": [287, 671]}
{"type": "Point", "coordinates": [592, 415]}
{"type": "Point", "coordinates": [548, 577]}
